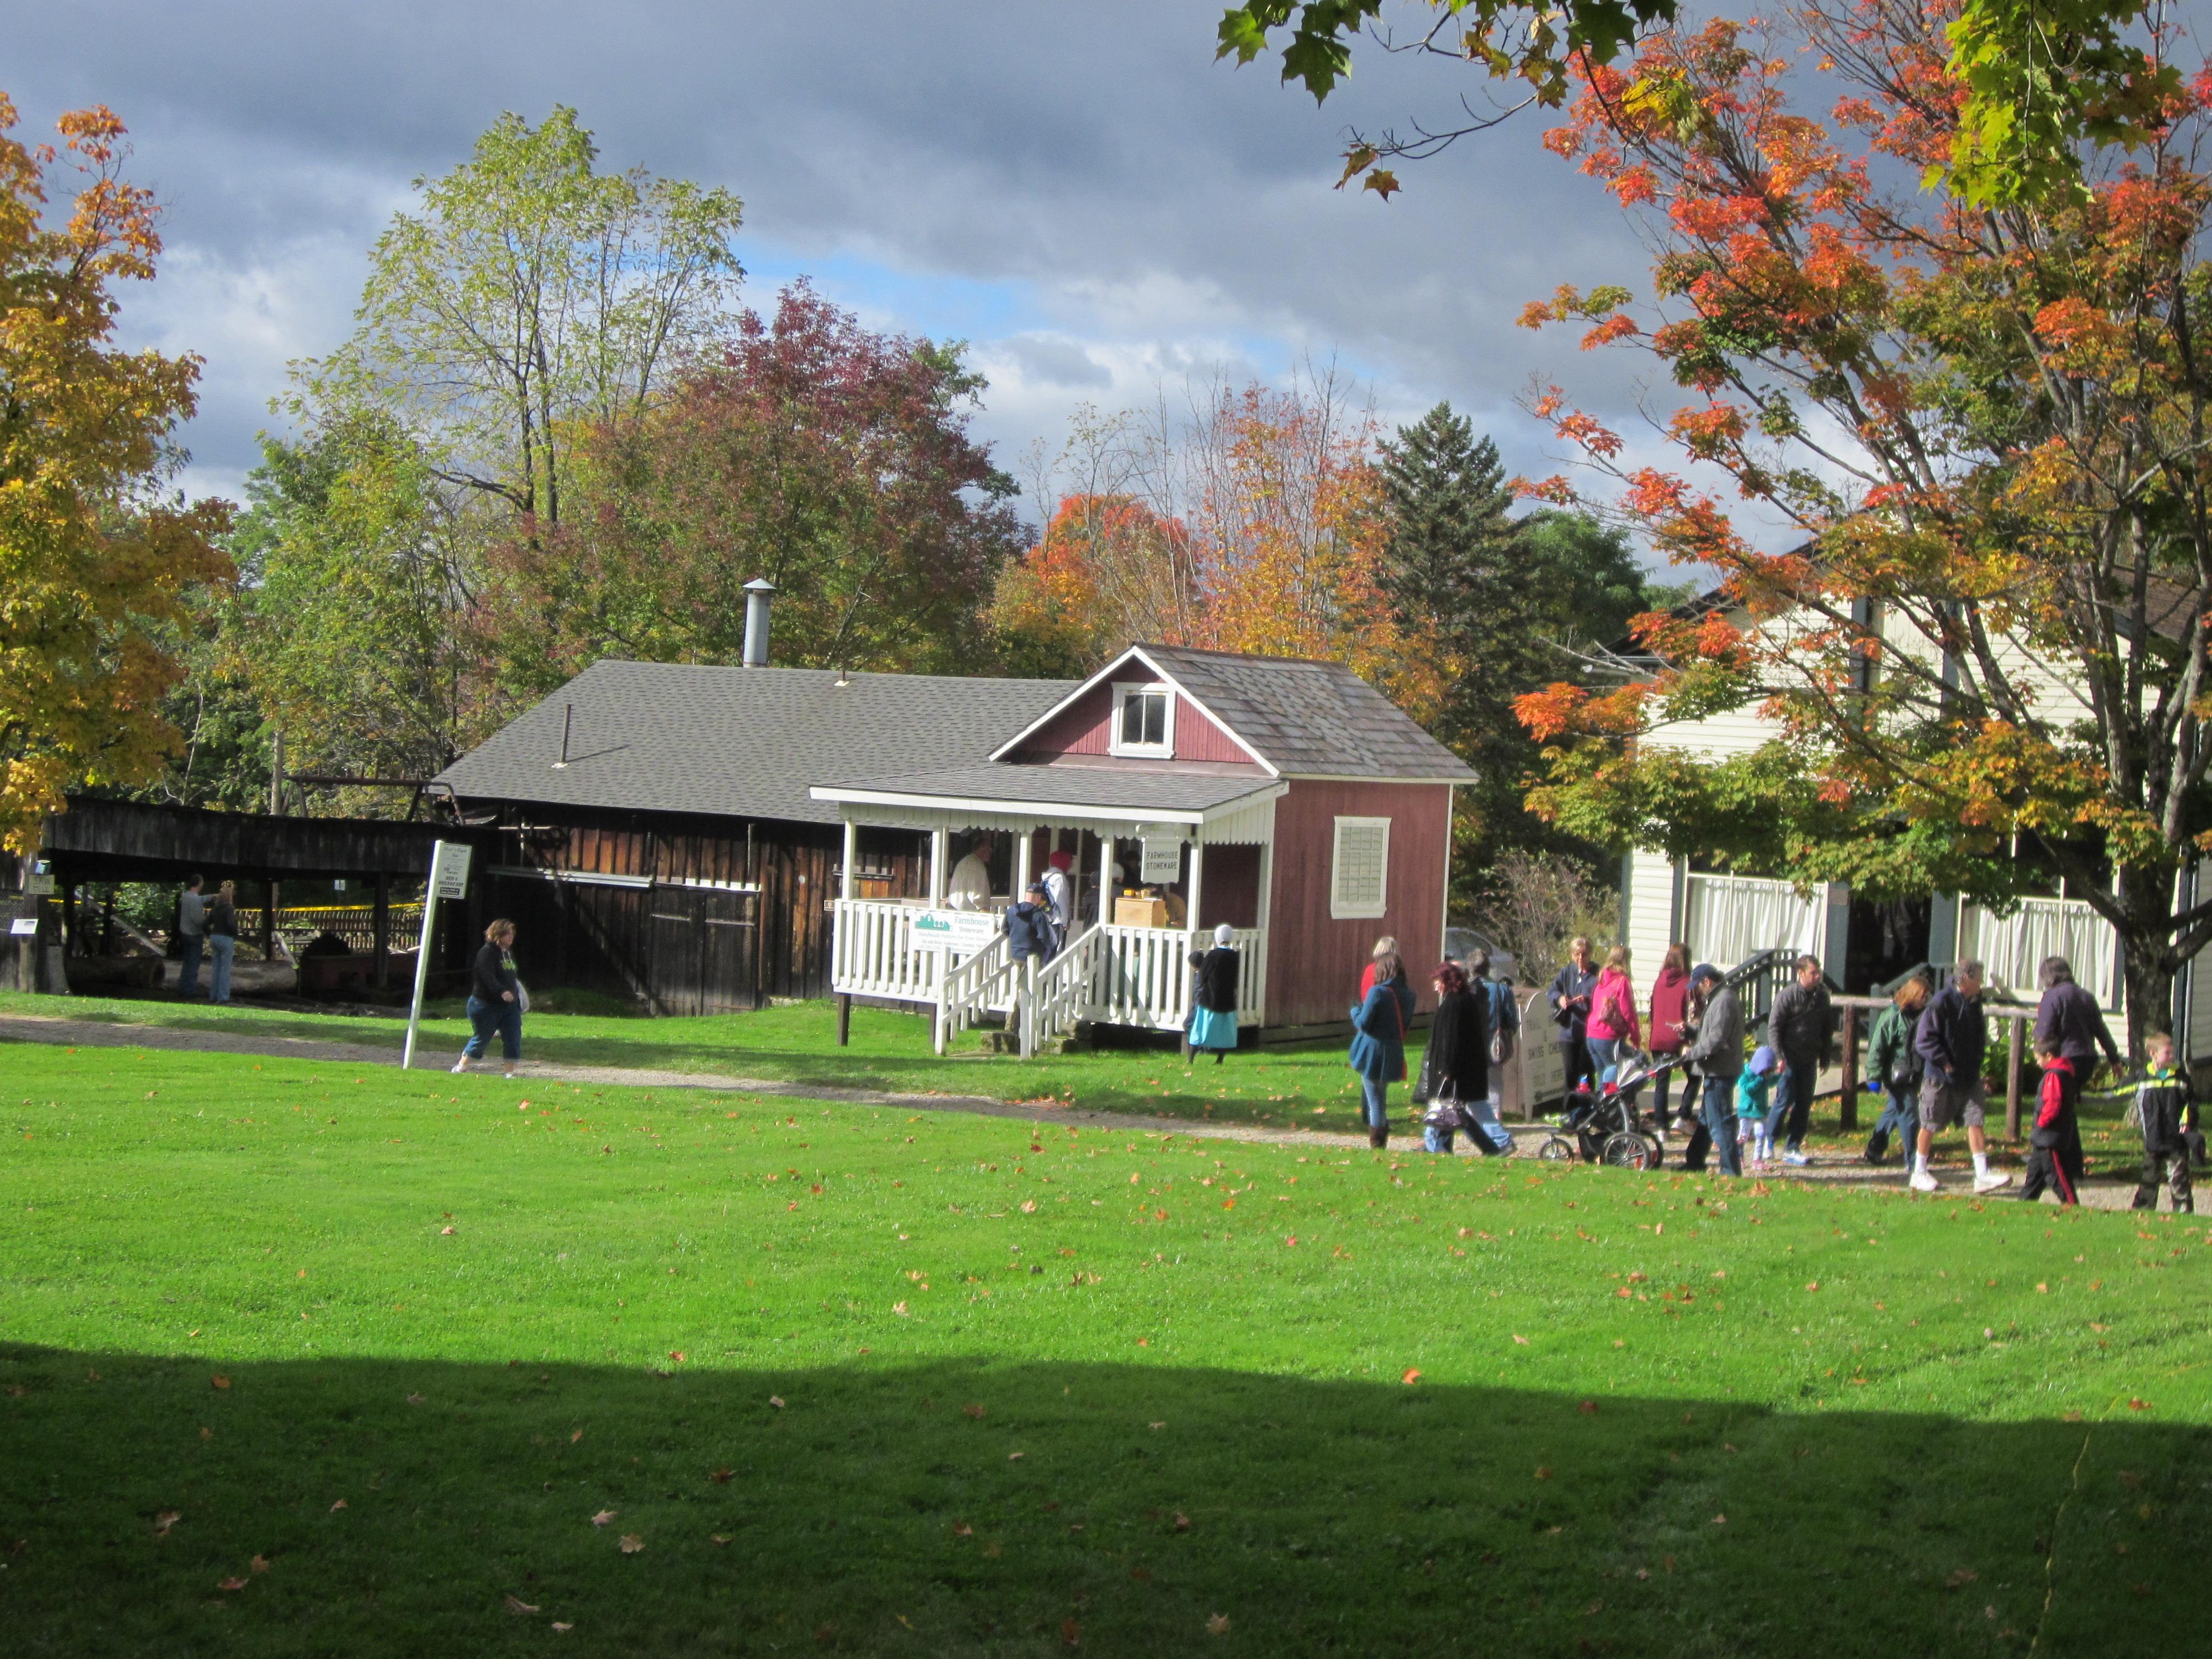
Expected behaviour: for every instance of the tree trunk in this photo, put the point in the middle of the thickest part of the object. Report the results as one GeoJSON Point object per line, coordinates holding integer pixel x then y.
{"type": "Point", "coordinates": [2147, 966]}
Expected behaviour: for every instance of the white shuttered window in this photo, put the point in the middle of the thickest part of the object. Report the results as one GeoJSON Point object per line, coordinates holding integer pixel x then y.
{"type": "Point", "coordinates": [1359, 872]}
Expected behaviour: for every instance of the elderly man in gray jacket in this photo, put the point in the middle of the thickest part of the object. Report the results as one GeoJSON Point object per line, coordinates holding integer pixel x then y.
{"type": "Point", "coordinates": [1716, 1054]}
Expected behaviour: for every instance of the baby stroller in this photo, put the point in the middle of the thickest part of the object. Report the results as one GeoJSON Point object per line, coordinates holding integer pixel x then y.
{"type": "Point", "coordinates": [1604, 1125]}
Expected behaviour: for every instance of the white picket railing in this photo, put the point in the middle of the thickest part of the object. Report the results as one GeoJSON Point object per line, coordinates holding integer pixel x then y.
{"type": "Point", "coordinates": [1112, 976]}
{"type": "Point", "coordinates": [1058, 994]}
{"type": "Point", "coordinates": [983, 982]}
{"type": "Point", "coordinates": [872, 952]}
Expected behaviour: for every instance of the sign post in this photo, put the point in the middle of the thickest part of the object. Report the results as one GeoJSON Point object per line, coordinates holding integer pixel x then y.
{"type": "Point", "coordinates": [449, 878]}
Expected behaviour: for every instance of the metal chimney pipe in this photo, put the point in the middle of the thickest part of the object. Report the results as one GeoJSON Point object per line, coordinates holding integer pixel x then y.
{"type": "Point", "coordinates": [758, 592]}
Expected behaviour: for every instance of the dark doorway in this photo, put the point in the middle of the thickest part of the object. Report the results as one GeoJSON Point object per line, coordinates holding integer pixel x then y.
{"type": "Point", "coordinates": [1887, 937]}
{"type": "Point", "coordinates": [702, 954]}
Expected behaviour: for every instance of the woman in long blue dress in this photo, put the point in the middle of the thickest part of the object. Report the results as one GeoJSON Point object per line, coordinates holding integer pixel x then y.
{"type": "Point", "coordinates": [1213, 1015]}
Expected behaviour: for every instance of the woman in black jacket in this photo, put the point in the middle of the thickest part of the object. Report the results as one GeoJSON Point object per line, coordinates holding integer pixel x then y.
{"type": "Point", "coordinates": [494, 999]}
{"type": "Point", "coordinates": [1213, 1019]}
{"type": "Point", "coordinates": [1456, 1067]}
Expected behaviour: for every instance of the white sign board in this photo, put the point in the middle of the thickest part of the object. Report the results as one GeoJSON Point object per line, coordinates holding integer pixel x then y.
{"type": "Point", "coordinates": [961, 931]}
{"type": "Point", "coordinates": [1163, 861]}
{"type": "Point", "coordinates": [23, 927]}
{"type": "Point", "coordinates": [38, 885]}
{"type": "Point", "coordinates": [449, 870]}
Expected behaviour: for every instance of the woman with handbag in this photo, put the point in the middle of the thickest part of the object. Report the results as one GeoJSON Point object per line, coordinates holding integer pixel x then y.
{"type": "Point", "coordinates": [1379, 1043]}
{"type": "Point", "coordinates": [496, 999]}
{"type": "Point", "coordinates": [1456, 1069]}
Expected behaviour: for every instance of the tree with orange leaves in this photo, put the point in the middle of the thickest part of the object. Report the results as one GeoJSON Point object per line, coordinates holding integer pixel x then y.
{"type": "Point", "coordinates": [95, 561]}
{"type": "Point", "coordinates": [1986, 658]}
{"type": "Point", "coordinates": [1108, 570]}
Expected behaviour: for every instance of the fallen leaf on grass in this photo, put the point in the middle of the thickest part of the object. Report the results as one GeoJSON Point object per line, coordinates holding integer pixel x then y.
{"type": "Point", "coordinates": [631, 1543]}
{"type": "Point", "coordinates": [335, 1507]}
{"type": "Point", "coordinates": [1028, 1206]}
{"type": "Point", "coordinates": [676, 1354]}
{"type": "Point", "coordinates": [721, 1477]}
{"type": "Point", "coordinates": [164, 1521]}
{"type": "Point", "coordinates": [1523, 1340]}
{"type": "Point", "coordinates": [559, 1626]}
{"type": "Point", "coordinates": [1963, 1576]}
{"type": "Point", "coordinates": [1071, 1632]}
{"type": "Point", "coordinates": [603, 1516]}
{"type": "Point", "coordinates": [1016, 1457]}
{"type": "Point", "coordinates": [414, 1399]}
{"type": "Point", "coordinates": [1411, 1377]}
{"type": "Point", "coordinates": [516, 1605]}
{"type": "Point", "coordinates": [1720, 1520]}
{"type": "Point", "coordinates": [1588, 1408]}
{"type": "Point", "coordinates": [718, 1538]}
{"type": "Point", "coordinates": [975, 1411]}
{"type": "Point", "coordinates": [2138, 1405]}
{"type": "Point", "coordinates": [961, 1530]}
{"type": "Point", "coordinates": [575, 1437]}
{"type": "Point", "coordinates": [232, 1584]}
{"type": "Point", "coordinates": [1182, 1521]}
{"type": "Point", "coordinates": [1218, 1626]}
{"type": "Point", "coordinates": [899, 1308]}
{"type": "Point", "coordinates": [219, 1382]}
{"type": "Point", "coordinates": [259, 1564]}
{"type": "Point", "coordinates": [444, 1232]}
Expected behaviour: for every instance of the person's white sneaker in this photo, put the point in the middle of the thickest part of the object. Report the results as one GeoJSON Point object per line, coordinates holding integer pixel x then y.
{"type": "Point", "coordinates": [458, 1065]}
{"type": "Point", "coordinates": [1991, 1180]}
{"type": "Point", "coordinates": [1796, 1158]}
{"type": "Point", "coordinates": [1922, 1181]}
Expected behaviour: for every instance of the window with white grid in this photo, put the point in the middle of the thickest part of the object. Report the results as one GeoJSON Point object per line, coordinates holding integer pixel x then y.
{"type": "Point", "coordinates": [1359, 870]}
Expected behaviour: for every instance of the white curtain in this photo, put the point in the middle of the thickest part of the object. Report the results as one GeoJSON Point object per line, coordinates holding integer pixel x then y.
{"type": "Point", "coordinates": [1728, 918]}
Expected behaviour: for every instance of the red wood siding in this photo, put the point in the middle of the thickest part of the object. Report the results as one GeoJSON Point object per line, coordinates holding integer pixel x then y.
{"type": "Point", "coordinates": [1085, 727]}
{"type": "Point", "coordinates": [1314, 962]}
{"type": "Point", "coordinates": [1229, 887]}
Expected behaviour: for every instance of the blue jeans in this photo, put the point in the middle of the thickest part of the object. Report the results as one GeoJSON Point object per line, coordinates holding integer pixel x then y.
{"type": "Point", "coordinates": [1792, 1099]}
{"type": "Point", "coordinates": [1603, 1052]}
{"type": "Point", "coordinates": [1435, 1137]}
{"type": "Point", "coordinates": [188, 977]}
{"type": "Point", "coordinates": [1371, 1092]}
{"type": "Point", "coordinates": [1900, 1116]}
{"type": "Point", "coordinates": [502, 1020]}
{"type": "Point", "coordinates": [219, 947]}
{"type": "Point", "coordinates": [1719, 1115]}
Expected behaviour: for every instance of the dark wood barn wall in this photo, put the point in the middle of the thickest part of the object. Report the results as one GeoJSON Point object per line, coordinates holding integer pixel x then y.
{"type": "Point", "coordinates": [681, 943]}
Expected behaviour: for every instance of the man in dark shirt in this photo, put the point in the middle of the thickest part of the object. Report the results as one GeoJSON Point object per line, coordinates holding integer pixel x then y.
{"type": "Point", "coordinates": [1570, 1005]}
{"type": "Point", "coordinates": [1952, 1037]}
{"type": "Point", "coordinates": [2069, 1016]}
{"type": "Point", "coordinates": [1797, 1027]}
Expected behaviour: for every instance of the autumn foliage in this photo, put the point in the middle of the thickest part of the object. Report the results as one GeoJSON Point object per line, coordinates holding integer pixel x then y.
{"type": "Point", "coordinates": [1983, 628]}
{"type": "Point", "coordinates": [93, 561]}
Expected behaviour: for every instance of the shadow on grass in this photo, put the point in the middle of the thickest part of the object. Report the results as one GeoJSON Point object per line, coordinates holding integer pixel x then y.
{"type": "Point", "coordinates": [965, 1507]}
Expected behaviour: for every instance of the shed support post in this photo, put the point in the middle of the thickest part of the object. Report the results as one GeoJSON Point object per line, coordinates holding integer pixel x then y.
{"type": "Point", "coordinates": [1847, 1108]}
{"type": "Point", "coordinates": [1025, 846]}
{"type": "Point", "coordinates": [852, 857]}
{"type": "Point", "coordinates": [844, 1018]}
{"type": "Point", "coordinates": [380, 926]}
{"type": "Point", "coordinates": [1105, 879]}
{"type": "Point", "coordinates": [269, 919]}
{"type": "Point", "coordinates": [2013, 1045]}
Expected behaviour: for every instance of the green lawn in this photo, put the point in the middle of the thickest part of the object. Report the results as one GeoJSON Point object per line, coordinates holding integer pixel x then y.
{"type": "Point", "coordinates": [377, 1350]}
{"type": "Point", "coordinates": [796, 1042]}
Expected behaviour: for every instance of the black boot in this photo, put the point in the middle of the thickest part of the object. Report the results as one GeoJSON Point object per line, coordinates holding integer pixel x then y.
{"type": "Point", "coordinates": [1378, 1137]}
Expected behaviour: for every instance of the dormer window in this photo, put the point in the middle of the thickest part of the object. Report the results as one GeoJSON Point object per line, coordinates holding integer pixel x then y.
{"type": "Point", "coordinates": [1144, 720]}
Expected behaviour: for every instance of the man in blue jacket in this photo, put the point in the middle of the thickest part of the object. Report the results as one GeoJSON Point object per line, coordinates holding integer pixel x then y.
{"type": "Point", "coordinates": [1952, 1037]}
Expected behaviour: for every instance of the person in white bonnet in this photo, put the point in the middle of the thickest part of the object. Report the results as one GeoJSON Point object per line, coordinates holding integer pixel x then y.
{"type": "Point", "coordinates": [1213, 1019]}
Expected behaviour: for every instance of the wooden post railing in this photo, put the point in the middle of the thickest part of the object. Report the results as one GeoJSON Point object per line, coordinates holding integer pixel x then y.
{"type": "Point", "coordinates": [1847, 1108]}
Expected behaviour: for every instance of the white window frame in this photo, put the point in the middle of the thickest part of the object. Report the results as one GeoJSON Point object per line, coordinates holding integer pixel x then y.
{"type": "Point", "coordinates": [1163, 749]}
{"type": "Point", "coordinates": [1339, 910]}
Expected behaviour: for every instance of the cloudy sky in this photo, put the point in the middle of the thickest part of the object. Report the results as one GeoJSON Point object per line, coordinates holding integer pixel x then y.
{"type": "Point", "coordinates": [1076, 188]}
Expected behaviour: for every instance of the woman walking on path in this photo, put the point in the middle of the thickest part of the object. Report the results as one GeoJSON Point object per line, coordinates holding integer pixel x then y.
{"type": "Point", "coordinates": [1894, 1064]}
{"type": "Point", "coordinates": [1613, 1034]}
{"type": "Point", "coordinates": [1670, 1008]}
{"type": "Point", "coordinates": [494, 999]}
{"type": "Point", "coordinates": [222, 939]}
{"type": "Point", "coordinates": [1379, 1043]}
{"type": "Point", "coordinates": [1570, 1005]}
{"type": "Point", "coordinates": [1456, 1070]}
{"type": "Point", "coordinates": [1213, 1019]}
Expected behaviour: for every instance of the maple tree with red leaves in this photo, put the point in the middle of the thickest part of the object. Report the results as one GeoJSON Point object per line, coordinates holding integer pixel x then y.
{"type": "Point", "coordinates": [1985, 655]}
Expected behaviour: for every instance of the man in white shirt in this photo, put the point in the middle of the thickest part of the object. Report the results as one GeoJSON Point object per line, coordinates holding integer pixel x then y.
{"type": "Point", "coordinates": [1061, 890]}
{"type": "Point", "coordinates": [970, 886]}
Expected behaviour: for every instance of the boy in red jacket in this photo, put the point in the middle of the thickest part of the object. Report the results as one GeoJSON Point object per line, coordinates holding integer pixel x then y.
{"type": "Point", "coordinates": [2054, 1156]}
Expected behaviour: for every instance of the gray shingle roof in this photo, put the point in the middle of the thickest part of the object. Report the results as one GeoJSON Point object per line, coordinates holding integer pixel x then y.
{"type": "Point", "coordinates": [1111, 789]}
{"type": "Point", "coordinates": [744, 742]}
{"type": "Point", "coordinates": [1310, 716]}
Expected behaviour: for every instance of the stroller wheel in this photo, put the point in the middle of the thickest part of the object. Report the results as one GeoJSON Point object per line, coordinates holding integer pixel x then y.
{"type": "Point", "coordinates": [1658, 1151]}
{"type": "Point", "coordinates": [1556, 1149]}
{"type": "Point", "coordinates": [1627, 1152]}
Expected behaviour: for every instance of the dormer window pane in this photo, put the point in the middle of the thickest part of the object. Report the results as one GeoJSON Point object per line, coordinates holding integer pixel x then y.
{"type": "Point", "coordinates": [1145, 718]}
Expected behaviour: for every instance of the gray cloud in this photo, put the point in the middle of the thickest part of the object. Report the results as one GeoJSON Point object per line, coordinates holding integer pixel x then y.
{"type": "Point", "coordinates": [1080, 191]}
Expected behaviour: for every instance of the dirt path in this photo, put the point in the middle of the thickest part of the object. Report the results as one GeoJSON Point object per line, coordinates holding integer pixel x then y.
{"type": "Point", "coordinates": [1828, 1169]}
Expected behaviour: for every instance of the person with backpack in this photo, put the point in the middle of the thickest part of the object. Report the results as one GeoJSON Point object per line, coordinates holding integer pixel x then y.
{"type": "Point", "coordinates": [1379, 1043]}
{"type": "Point", "coordinates": [1894, 1066]}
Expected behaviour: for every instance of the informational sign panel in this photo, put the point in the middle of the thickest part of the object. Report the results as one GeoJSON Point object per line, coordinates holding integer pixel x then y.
{"type": "Point", "coordinates": [449, 870]}
{"type": "Point", "coordinates": [1162, 859]}
{"type": "Point", "coordinates": [963, 932]}
{"type": "Point", "coordinates": [38, 885]}
{"type": "Point", "coordinates": [23, 927]}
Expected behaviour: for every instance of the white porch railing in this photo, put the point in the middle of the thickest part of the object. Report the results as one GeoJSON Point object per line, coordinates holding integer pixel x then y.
{"type": "Point", "coordinates": [1728, 918]}
{"type": "Point", "coordinates": [1058, 995]}
{"type": "Point", "coordinates": [1112, 976]}
{"type": "Point", "coordinates": [2012, 948]}
{"type": "Point", "coordinates": [873, 954]}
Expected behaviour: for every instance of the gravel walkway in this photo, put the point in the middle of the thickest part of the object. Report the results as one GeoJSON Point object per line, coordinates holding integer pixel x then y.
{"type": "Point", "coordinates": [2097, 1192]}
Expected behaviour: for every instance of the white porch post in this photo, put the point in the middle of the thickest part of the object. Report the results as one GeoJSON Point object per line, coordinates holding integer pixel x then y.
{"type": "Point", "coordinates": [1197, 861]}
{"type": "Point", "coordinates": [1022, 850]}
{"type": "Point", "coordinates": [852, 857]}
{"type": "Point", "coordinates": [1105, 878]}
{"type": "Point", "coordinates": [940, 847]}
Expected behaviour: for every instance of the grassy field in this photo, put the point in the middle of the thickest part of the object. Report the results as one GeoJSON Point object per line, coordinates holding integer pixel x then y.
{"type": "Point", "coordinates": [308, 1359]}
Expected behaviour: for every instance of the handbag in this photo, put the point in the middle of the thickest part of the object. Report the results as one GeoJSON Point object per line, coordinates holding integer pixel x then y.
{"type": "Point", "coordinates": [1501, 1040]}
{"type": "Point", "coordinates": [522, 998]}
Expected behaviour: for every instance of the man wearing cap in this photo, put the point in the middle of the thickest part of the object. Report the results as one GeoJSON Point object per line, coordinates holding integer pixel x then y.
{"type": "Point", "coordinates": [1029, 928]}
{"type": "Point", "coordinates": [1716, 1054]}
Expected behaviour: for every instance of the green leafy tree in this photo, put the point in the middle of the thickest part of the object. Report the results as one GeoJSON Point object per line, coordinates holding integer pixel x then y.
{"type": "Point", "coordinates": [531, 293]}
